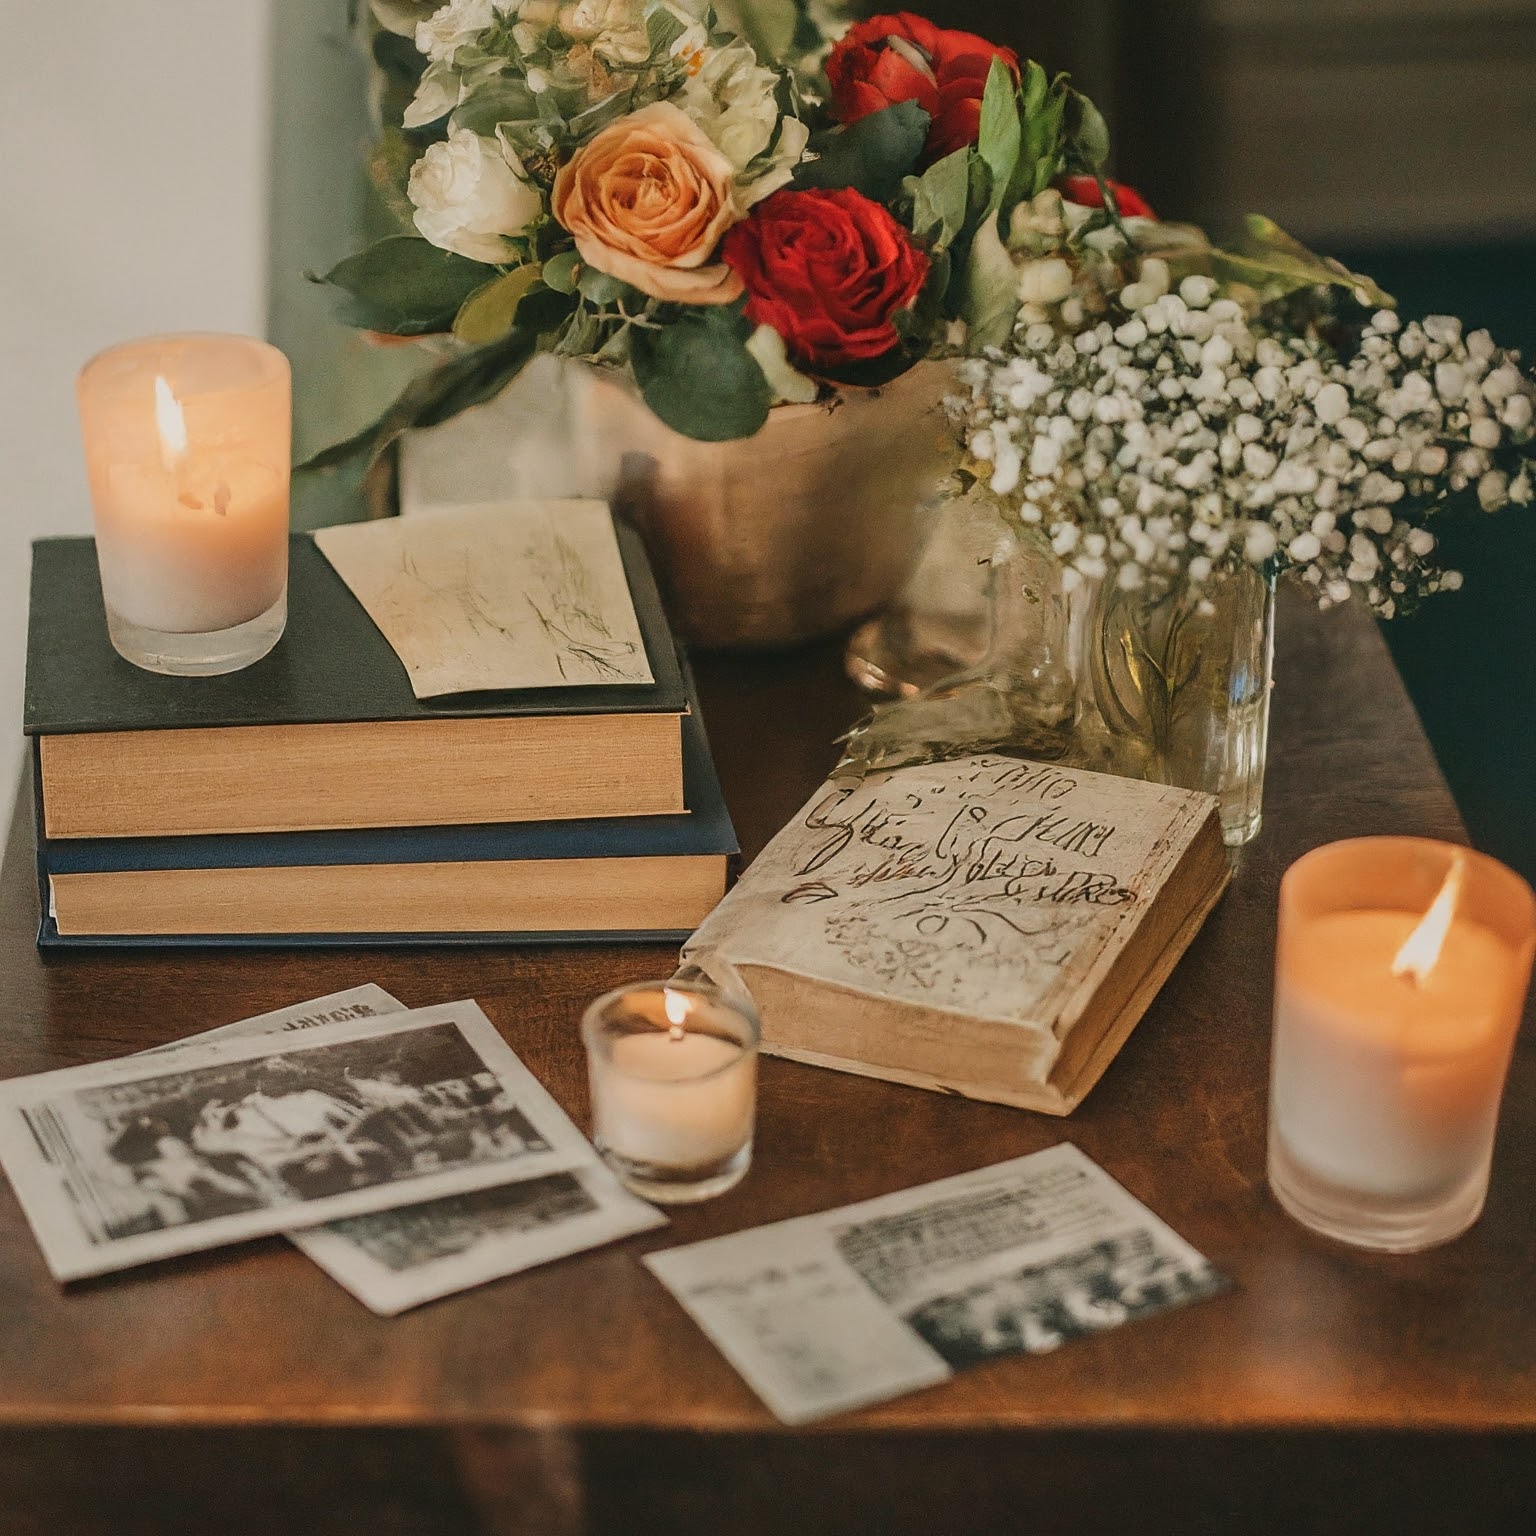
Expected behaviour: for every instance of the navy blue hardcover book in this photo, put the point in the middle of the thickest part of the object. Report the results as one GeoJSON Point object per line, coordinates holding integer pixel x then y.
{"type": "Point", "coordinates": [640, 878]}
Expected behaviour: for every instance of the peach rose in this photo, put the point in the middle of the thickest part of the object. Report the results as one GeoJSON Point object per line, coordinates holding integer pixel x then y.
{"type": "Point", "coordinates": [648, 200]}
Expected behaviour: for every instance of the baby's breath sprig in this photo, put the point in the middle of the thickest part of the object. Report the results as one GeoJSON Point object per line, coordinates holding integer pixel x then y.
{"type": "Point", "coordinates": [1182, 433]}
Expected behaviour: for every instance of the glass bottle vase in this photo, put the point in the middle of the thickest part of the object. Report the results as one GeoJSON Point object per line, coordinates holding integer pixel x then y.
{"type": "Point", "coordinates": [1175, 687]}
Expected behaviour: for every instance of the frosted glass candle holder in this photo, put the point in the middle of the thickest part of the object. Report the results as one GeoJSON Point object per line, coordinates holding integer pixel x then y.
{"type": "Point", "coordinates": [187, 446]}
{"type": "Point", "coordinates": [1389, 1057]}
{"type": "Point", "coordinates": [673, 1069]}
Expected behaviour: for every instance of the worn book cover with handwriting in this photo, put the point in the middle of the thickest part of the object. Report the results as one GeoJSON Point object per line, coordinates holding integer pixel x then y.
{"type": "Point", "coordinates": [956, 924]}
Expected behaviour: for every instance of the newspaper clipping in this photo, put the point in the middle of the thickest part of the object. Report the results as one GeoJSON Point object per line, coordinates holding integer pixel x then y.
{"type": "Point", "coordinates": [175, 1152]}
{"type": "Point", "coordinates": [836, 1311]}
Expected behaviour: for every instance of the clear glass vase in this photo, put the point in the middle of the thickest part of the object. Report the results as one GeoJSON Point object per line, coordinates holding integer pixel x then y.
{"type": "Point", "coordinates": [1021, 696]}
{"type": "Point", "coordinates": [1175, 688]}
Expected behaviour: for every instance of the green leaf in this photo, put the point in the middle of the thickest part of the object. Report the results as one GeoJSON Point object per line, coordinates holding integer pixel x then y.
{"type": "Point", "coordinates": [468, 379]}
{"type": "Point", "coordinates": [698, 377]}
{"type": "Point", "coordinates": [1086, 135]}
{"type": "Point", "coordinates": [990, 297]}
{"type": "Point", "coordinates": [663, 28]}
{"type": "Point", "coordinates": [601, 289]}
{"type": "Point", "coordinates": [1001, 134]}
{"type": "Point", "coordinates": [405, 286]}
{"type": "Point", "coordinates": [871, 155]}
{"type": "Point", "coordinates": [1281, 264]}
{"type": "Point", "coordinates": [488, 313]}
{"type": "Point", "coordinates": [1040, 155]}
{"type": "Point", "coordinates": [560, 271]}
{"type": "Point", "coordinates": [940, 199]}
{"type": "Point", "coordinates": [503, 99]}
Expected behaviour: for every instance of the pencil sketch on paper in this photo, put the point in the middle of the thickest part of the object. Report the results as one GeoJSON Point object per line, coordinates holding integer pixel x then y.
{"type": "Point", "coordinates": [505, 595]}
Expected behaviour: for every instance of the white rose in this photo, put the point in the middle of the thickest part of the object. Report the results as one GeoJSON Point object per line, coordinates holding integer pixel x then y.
{"type": "Point", "coordinates": [445, 30]}
{"type": "Point", "coordinates": [468, 198]}
{"type": "Point", "coordinates": [613, 29]}
{"type": "Point", "coordinates": [732, 98]}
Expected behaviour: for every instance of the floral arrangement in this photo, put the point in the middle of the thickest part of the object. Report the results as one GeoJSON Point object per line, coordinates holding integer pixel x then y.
{"type": "Point", "coordinates": [631, 182]}
{"type": "Point", "coordinates": [1161, 417]}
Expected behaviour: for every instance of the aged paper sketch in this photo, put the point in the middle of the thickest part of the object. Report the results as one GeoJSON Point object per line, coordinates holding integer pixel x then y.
{"type": "Point", "coordinates": [496, 596]}
{"type": "Point", "coordinates": [825, 1313]}
{"type": "Point", "coordinates": [987, 886]}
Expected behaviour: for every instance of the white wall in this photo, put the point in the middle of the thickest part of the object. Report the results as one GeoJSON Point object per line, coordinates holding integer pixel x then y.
{"type": "Point", "coordinates": [133, 200]}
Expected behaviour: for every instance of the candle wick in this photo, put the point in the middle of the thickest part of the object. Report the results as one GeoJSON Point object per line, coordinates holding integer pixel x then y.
{"type": "Point", "coordinates": [676, 1032]}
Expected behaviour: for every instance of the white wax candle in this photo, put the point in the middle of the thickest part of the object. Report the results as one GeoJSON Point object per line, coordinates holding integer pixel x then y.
{"type": "Point", "coordinates": [187, 445]}
{"type": "Point", "coordinates": [1385, 1084]}
{"type": "Point", "coordinates": [675, 1098]}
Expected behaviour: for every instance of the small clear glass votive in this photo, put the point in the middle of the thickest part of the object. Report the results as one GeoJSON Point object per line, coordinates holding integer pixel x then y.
{"type": "Point", "coordinates": [1401, 972]}
{"type": "Point", "coordinates": [187, 447]}
{"type": "Point", "coordinates": [673, 1070]}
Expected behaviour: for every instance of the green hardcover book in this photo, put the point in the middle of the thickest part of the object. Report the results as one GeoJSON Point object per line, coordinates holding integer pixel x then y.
{"type": "Point", "coordinates": [324, 732]}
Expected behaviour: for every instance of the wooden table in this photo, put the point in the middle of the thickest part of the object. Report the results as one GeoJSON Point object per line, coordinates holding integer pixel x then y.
{"type": "Point", "coordinates": [1332, 1390]}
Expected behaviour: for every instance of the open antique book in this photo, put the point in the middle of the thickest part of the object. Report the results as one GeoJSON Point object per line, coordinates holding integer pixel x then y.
{"type": "Point", "coordinates": [988, 926]}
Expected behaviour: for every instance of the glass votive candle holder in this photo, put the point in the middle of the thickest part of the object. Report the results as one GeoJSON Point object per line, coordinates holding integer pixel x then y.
{"type": "Point", "coordinates": [187, 446]}
{"type": "Point", "coordinates": [1401, 972]}
{"type": "Point", "coordinates": [673, 1070]}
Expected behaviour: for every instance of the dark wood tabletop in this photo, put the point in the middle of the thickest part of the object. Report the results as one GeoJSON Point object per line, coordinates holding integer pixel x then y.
{"type": "Point", "coordinates": [244, 1391]}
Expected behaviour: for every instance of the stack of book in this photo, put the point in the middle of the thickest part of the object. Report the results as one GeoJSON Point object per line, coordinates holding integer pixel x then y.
{"type": "Point", "coordinates": [314, 799]}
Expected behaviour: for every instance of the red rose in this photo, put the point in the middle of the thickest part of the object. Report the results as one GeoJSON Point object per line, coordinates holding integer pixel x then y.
{"type": "Point", "coordinates": [904, 58]}
{"type": "Point", "coordinates": [1085, 190]}
{"type": "Point", "coordinates": [828, 270]}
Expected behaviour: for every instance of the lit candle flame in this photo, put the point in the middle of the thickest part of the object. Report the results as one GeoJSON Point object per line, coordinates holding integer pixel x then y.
{"type": "Point", "coordinates": [1417, 958]}
{"type": "Point", "coordinates": [676, 1006]}
{"type": "Point", "coordinates": [171, 422]}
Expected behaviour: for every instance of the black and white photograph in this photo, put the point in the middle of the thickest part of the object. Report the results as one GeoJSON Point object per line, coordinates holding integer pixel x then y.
{"type": "Point", "coordinates": [400, 1258]}
{"type": "Point", "coordinates": [1039, 1307]}
{"type": "Point", "coordinates": [854, 1306]}
{"type": "Point", "coordinates": [397, 1259]}
{"type": "Point", "coordinates": [233, 1138]}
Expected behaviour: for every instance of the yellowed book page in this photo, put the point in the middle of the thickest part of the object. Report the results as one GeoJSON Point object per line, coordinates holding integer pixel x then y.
{"type": "Point", "coordinates": [987, 887]}
{"type": "Point", "coordinates": [500, 595]}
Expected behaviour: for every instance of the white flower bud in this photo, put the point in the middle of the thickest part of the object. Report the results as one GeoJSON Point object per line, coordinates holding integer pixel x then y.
{"type": "Point", "coordinates": [1354, 432]}
{"type": "Point", "coordinates": [1216, 353]}
{"type": "Point", "coordinates": [1516, 413]}
{"type": "Point", "coordinates": [1420, 541]}
{"type": "Point", "coordinates": [1197, 291]}
{"type": "Point", "coordinates": [1045, 456]}
{"type": "Point", "coordinates": [1431, 460]}
{"type": "Point", "coordinates": [1130, 578]}
{"type": "Point", "coordinates": [1484, 432]}
{"type": "Point", "coordinates": [1259, 543]}
{"type": "Point", "coordinates": [1332, 403]}
{"type": "Point", "coordinates": [1131, 334]}
{"type": "Point", "coordinates": [1046, 281]}
{"type": "Point", "coordinates": [1501, 383]}
{"type": "Point", "coordinates": [1450, 382]}
{"type": "Point", "coordinates": [1304, 547]}
{"type": "Point", "coordinates": [1450, 581]}
{"type": "Point", "coordinates": [1259, 462]}
{"type": "Point", "coordinates": [1492, 490]}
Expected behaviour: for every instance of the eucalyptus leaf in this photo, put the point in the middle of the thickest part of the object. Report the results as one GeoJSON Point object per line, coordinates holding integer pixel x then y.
{"type": "Point", "coordinates": [940, 199]}
{"type": "Point", "coordinates": [405, 286]}
{"type": "Point", "coordinates": [1001, 135]}
{"type": "Point", "coordinates": [489, 312]}
{"type": "Point", "coordinates": [560, 271]}
{"type": "Point", "coordinates": [871, 155]}
{"type": "Point", "coordinates": [600, 288]}
{"type": "Point", "coordinates": [469, 379]}
{"type": "Point", "coordinates": [696, 374]}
